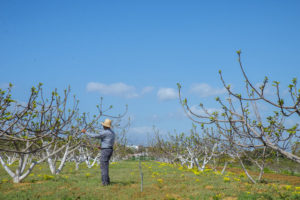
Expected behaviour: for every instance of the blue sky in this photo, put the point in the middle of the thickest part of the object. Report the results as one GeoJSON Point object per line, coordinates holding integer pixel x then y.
{"type": "Point", "coordinates": [134, 52]}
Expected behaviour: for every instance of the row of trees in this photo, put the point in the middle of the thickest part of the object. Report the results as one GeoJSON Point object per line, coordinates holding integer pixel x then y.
{"type": "Point", "coordinates": [47, 130]}
{"type": "Point", "coordinates": [239, 131]}
{"type": "Point", "coordinates": [206, 146]}
{"type": "Point", "coordinates": [191, 150]}
{"type": "Point", "coordinates": [241, 127]}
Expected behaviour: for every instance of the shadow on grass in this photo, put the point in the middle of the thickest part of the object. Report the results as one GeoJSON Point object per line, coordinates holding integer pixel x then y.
{"type": "Point", "coordinates": [123, 183]}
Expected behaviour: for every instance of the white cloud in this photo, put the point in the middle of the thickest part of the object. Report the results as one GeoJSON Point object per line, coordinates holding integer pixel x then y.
{"type": "Point", "coordinates": [115, 89]}
{"type": "Point", "coordinates": [205, 90]}
{"type": "Point", "coordinates": [290, 122]}
{"type": "Point", "coordinates": [140, 135]}
{"type": "Point", "coordinates": [141, 129]}
{"type": "Point", "coordinates": [164, 94]}
{"type": "Point", "coordinates": [155, 117]}
{"type": "Point", "coordinates": [261, 106]}
{"type": "Point", "coordinates": [147, 89]}
{"type": "Point", "coordinates": [199, 111]}
{"type": "Point", "coordinates": [145, 130]}
{"type": "Point", "coordinates": [178, 114]}
{"type": "Point", "coordinates": [21, 103]}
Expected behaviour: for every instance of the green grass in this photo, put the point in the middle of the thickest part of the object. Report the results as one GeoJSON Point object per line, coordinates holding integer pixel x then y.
{"type": "Point", "coordinates": [161, 181]}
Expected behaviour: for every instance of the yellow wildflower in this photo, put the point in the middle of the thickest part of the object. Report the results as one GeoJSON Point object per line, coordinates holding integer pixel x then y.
{"type": "Point", "coordinates": [196, 172]}
{"type": "Point", "coordinates": [4, 180]}
{"type": "Point", "coordinates": [226, 179]}
{"type": "Point", "coordinates": [160, 180]}
{"type": "Point", "coordinates": [230, 174]}
{"type": "Point", "coordinates": [48, 177]}
{"type": "Point", "coordinates": [207, 170]}
{"type": "Point", "coordinates": [155, 174]}
{"type": "Point", "coordinates": [274, 186]}
{"type": "Point", "coordinates": [217, 173]}
{"type": "Point", "coordinates": [287, 187]}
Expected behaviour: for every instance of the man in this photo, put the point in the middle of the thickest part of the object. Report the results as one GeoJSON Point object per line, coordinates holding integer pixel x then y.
{"type": "Point", "coordinates": [107, 137]}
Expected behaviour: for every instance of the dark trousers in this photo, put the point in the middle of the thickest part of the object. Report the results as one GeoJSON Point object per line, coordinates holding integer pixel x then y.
{"type": "Point", "coordinates": [104, 165]}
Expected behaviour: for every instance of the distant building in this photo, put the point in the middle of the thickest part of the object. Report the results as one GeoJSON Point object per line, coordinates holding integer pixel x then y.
{"type": "Point", "coordinates": [133, 146]}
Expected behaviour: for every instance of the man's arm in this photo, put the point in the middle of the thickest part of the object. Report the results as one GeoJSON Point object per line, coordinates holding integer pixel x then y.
{"type": "Point", "coordinates": [92, 135]}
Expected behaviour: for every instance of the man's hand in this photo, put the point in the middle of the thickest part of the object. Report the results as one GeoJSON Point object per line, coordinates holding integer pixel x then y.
{"type": "Point", "coordinates": [83, 131]}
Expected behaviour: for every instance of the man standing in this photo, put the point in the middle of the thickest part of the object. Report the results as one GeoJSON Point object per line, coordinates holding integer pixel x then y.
{"type": "Point", "coordinates": [107, 137]}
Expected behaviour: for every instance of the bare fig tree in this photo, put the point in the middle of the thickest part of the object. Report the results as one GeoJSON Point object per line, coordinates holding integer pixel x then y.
{"type": "Point", "coordinates": [71, 140]}
{"type": "Point", "coordinates": [245, 127]}
{"type": "Point", "coordinates": [25, 127]}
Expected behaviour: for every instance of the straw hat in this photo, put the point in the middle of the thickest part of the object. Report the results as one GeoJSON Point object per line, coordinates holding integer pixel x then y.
{"type": "Point", "coordinates": [106, 123]}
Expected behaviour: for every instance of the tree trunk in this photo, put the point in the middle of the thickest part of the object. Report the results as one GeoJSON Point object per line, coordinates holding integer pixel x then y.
{"type": "Point", "coordinates": [246, 172]}
{"type": "Point", "coordinates": [224, 168]}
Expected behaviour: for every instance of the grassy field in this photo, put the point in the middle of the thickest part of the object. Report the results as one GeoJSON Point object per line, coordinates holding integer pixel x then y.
{"type": "Point", "coordinates": [161, 181]}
